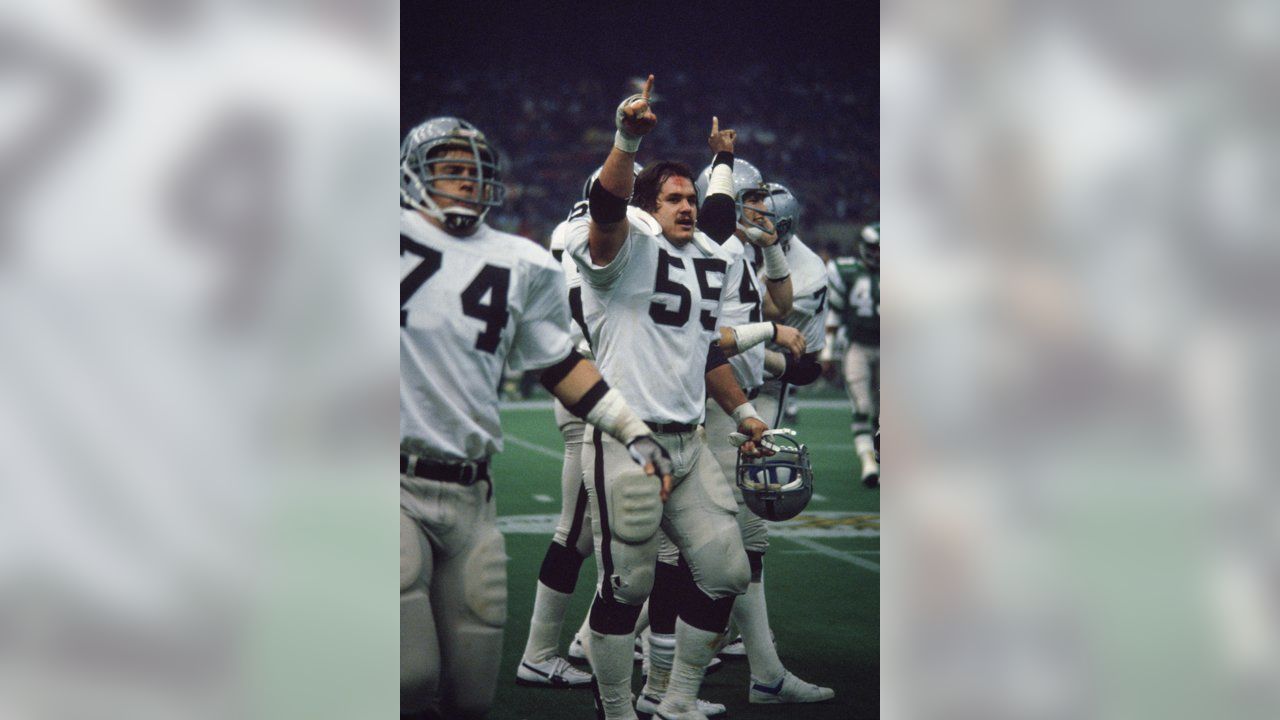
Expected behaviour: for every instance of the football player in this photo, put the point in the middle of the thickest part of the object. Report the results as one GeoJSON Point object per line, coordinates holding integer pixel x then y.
{"type": "Point", "coordinates": [472, 299]}
{"type": "Point", "coordinates": [651, 295]}
{"type": "Point", "coordinates": [540, 664]}
{"type": "Point", "coordinates": [855, 304]}
{"type": "Point", "coordinates": [761, 226]}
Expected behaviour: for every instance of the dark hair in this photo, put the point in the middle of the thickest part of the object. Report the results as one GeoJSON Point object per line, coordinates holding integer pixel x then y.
{"type": "Point", "coordinates": [649, 182]}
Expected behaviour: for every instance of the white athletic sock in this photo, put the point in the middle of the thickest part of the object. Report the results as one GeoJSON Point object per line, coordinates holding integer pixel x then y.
{"type": "Point", "coordinates": [752, 616]}
{"type": "Point", "coordinates": [863, 444]}
{"type": "Point", "coordinates": [611, 660]}
{"type": "Point", "coordinates": [694, 650]}
{"type": "Point", "coordinates": [662, 653]}
{"type": "Point", "coordinates": [544, 629]}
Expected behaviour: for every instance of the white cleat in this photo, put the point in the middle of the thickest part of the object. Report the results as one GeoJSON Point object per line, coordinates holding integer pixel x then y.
{"type": "Point", "coordinates": [553, 673]}
{"type": "Point", "coordinates": [870, 469]}
{"type": "Point", "coordinates": [648, 705]}
{"type": "Point", "coordinates": [790, 689]}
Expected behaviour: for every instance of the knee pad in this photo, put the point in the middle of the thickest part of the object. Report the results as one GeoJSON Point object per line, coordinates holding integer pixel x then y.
{"type": "Point", "coordinates": [720, 567]}
{"type": "Point", "coordinates": [485, 584]}
{"type": "Point", "coordinates": [411, 555]}
{"type": "Point", "coordinates": [560, 568]}
{"type": "Point", "coordinates": [610, 617]}
{"type": "Point", "coordinates": [635, 510]}
{"type": "Point", "coordinates": [633, 586]}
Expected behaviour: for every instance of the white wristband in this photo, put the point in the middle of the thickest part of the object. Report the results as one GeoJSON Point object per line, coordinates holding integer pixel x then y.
{"type": "Point", "coordinates": [775, 263]}
{"type": "Point", "coordinates": [612, 415]}
{"type": "Point", "coordinates": [752, 334]}
{"type": "Point", "coordinates": [721, 180]}
{"type": "Point", "coordinates": [625, 142]}
{"type": "Point", "coordinates": [744, 411]}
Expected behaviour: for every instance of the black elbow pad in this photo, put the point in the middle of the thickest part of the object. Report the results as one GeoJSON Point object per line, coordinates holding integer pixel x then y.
{"type": "Point", "coordinates": [718, 217]}
{"type": "Point", "coordinates": [606, 208]}
{"type": "Point", "coordinates": [715, 357]}
{"type": "Point", "coordinates": [551, 376]}
{"type": "Point", "coordinates": [804, 371]}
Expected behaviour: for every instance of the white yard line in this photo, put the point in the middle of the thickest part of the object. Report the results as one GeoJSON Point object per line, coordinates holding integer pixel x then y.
{"type": "Point", "coordinates": [543, 498]}
{"type": "Point", "coordinates": [831, 552]}
{"type": "Point", "coordinates": [540, 449]}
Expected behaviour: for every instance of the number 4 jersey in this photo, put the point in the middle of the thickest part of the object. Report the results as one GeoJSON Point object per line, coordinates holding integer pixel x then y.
{"type": "Point", "coordinates": [855, 295]}
{"type": "Point", "coordinates": [467, 305]}
{"type": "Point", "coordinates": [652, 314]}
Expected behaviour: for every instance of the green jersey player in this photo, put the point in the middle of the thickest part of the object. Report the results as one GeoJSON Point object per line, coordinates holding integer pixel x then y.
{"type": "Point", "coordinates": [855, 304]}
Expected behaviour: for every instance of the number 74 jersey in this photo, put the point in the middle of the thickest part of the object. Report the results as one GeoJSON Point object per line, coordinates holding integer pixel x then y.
{"type": "Point", "coordinates": [467, 307]}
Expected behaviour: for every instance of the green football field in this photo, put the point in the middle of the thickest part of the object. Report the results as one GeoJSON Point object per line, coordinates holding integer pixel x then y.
{"type": "Point", "coordinates": [821, 575]}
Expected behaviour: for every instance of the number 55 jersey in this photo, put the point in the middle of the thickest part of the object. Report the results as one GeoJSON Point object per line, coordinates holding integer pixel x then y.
{"type": "Point", "coordinates": [652, 313]}
{"type": "Point", "coordinates": [467, 306]}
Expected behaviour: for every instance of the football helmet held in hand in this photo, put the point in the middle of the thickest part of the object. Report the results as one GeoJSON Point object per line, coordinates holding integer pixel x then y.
{"type": "Point", "coordinates": [777, 487]}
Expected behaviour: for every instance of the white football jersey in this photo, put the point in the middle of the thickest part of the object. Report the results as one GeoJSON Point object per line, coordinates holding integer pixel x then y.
{"type": "Point", "coordinates": [467, 306]}
{"type": "Point", "coordinates": [573, 279]}
{"type": "Point", "coordinates": [809, 296]}
{"type": "Point", "coordinates": [652, 314]}
{"type": "Point", "coordinates": [743, 304]}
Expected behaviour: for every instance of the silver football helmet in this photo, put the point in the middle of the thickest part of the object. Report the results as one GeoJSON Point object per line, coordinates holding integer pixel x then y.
{"type": "Point", "coordinates": [869, 245]}
{"type": "Point", "coordinates": [777, 487]}
{"type": "Point", "coordinates": [418, 178]}
{"type": "Point", "coordinates": [746, 180]}
{"type": "Point", "coordinates": [586, 188]}
{"type": "Point", "coordinates": [786, 211]}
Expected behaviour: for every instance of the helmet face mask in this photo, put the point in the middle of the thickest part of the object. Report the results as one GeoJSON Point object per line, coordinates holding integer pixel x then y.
{"type": "Point", "coordinates": [869, 245]}
{"type": "Point", "coordinates": [777, 487]}
{"type": "Point", "coordinates": [441, 144]}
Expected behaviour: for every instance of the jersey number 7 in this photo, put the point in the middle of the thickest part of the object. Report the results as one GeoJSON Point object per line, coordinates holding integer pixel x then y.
{"type": "Point", "coordinates": [491, 280]}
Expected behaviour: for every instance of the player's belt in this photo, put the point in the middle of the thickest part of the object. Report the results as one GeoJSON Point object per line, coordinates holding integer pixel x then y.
{"type": "Point", "coordinates": [670, 428]}
{"type": "Point", "coordinates": [460, 473]}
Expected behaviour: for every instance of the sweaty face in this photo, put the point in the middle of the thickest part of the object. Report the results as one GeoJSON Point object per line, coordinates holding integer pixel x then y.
{"type": "Point", "coordinates": [677, 210]}
{"type": "Point", "coordinates": [461, 166]}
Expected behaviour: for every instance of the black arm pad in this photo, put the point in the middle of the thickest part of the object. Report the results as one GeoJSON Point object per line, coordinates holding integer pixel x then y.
{"type": "Point", "coordinates": [715, 357]}
{"type": "Point", "coordinates": [606, 208]}
{"type": "Point", "coordinates": [724, 157]}
{"type": "Point", "coordinates": [551, 376]}
{"type": "Point", "coordinates": [588, 401]}
{"type": "Point", "coordinates": [803, 371]}
{"type": "Point", "coordinates": [718, 216]}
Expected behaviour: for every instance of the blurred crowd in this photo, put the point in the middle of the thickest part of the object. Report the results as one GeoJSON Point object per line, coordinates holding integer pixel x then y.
{"type": "Point", "coordinates": [811, 130]}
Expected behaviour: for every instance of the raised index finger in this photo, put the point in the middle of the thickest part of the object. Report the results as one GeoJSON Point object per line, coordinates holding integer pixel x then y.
{"type": "Point", "coordinates": [648, 87]}
{"type": "Point", "coordinates": [715, 124]}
